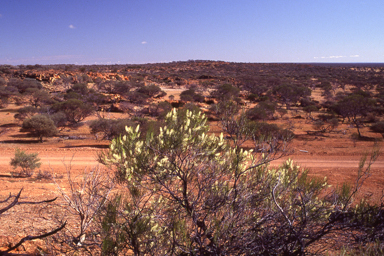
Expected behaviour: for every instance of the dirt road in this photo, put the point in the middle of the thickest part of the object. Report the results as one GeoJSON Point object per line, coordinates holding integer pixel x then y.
{"type": "Point", "coordinates": [89, 159]}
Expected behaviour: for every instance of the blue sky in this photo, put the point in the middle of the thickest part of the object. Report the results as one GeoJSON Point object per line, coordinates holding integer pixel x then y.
{"type": "Point", "coordinates": [147, 31]}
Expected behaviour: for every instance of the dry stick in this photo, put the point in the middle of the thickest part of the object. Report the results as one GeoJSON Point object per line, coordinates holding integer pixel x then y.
{"type": "Point", "coordinates": [16, 202]}
{"type": "Point", "coordinates": [29, 238]}
{"type": "Point", "coordinates": [1, 202]}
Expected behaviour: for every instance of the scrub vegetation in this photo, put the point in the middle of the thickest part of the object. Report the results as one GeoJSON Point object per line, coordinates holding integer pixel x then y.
{"type": "Point", "coordinates": [181, 188]}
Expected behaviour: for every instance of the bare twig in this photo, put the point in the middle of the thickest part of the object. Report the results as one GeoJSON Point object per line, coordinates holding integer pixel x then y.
{"type": "Point", "coordinates": [27, 238]}
{"type": "Point", "coordinates": [30, 238]}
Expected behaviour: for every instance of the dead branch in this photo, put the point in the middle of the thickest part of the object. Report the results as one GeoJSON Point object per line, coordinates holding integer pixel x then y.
{"type": "Point", "coordinates": [30, 238]}
{"type": "Point", "coordinates": [27, 238]}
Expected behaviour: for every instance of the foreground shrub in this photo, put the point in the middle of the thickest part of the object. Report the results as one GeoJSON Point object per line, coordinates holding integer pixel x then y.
{"type": "Point", "coordinates": [189, 193]}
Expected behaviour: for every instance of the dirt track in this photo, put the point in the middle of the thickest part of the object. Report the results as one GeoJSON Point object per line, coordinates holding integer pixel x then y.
{"type": "Point", "coordinates": [91, 160]}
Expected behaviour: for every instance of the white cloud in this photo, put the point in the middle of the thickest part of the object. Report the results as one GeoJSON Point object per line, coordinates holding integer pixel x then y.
{"type": "Point", "coordinates": [330, 57]}
{"type": "Point", "coordinates": [72, 27]}
{"type": "Point", "coordinates": [144, 42]}
{"type": "Point", "coordinates": [336, 57]}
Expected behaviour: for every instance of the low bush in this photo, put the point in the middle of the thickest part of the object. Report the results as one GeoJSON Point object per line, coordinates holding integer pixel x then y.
{"type": "Point", "coordinates": [26, 162]}
{"type": "Point", "coordinates": [109, 128]}
{"type": "Point", "coordinates": [39, 126]}
{"type": "Point", "coordinates": [191, 95]}
{"type": "Point", "coordinates": [378, 127]}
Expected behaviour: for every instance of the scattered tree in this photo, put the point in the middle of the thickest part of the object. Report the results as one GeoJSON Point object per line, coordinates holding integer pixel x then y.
{"type": "Point", "coordinates": [39, 126]}
{"type": "Point", "coordinates": [74, 109]}
{"type": "Point", "coordinates": [289, 94]}
{"type": "Point", "coordinates": [354, 107]}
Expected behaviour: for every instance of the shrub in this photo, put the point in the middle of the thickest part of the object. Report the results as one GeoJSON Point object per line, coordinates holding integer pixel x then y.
{"type": "Point", "coordinates": [226, 108]}
{"type": "Point", "coordinates": [226, 92]}
{"type": "Point", "coordinates": [59, 119]}
{"type": "Point", "coordinates": [137, 97]}
{"type": "Point", "coordinates": [74, 109]}
{"type": "Point", "coordinates": [289, 93]}
{"type": "Point", "coordinates": [72, 95]}
{"type": "Point", "coordinates": [191, 95]}
{"type": "Point", "coordinates": [160, 110]}
{"type": "Point", "coordinates": [264, 110]}
{"type": "Point", "coordinates": [190, 193]}
{"type": "Point", "coordinates": [23, 85]}
{"type": "Point", "coordinates": [45, 175]}
{"type": "Point", "coordinates": [192, 107]}
{"type": "Point", "coordinates": [310, 108]}
{"type": "Point", "coordinates": [378, 127]}
{"type": "Point", "coordinates": [151, 90]}
{"type": "Point", "coordinates": [256, 113]}
{"type": "Point", "coordinates": [40, 97]}
{"type": "Point", "coordinates": [39, 126]}
{"type": "Point", "coordinates": [25, 112]}
{"type": "Point", "coordinates": [5, 93]}
{"type": "Point", "coordinates": [109, 128]}
{"type": "Point", "coordinates": [80, 88]}
{"type": "Point", "coordinates": [26, 162]}
{"type": "Point", "coordinates": [121, 88]}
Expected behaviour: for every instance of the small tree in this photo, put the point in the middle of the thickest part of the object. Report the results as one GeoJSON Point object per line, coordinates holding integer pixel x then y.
{"type": "Point", "coordinates": [40, 126]}
{"type": "Point", "coordinates": [26, 162]}
{"type": "Point", "coordinates": [354, 107]}
{"type": "Point", "coordinates": [75, 110]}
{"type": "Point", "coordinates": [289, 93]}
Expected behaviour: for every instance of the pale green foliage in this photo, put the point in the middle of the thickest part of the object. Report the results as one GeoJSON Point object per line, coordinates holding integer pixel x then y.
{"type": "Point", "coordinates": [26, 162]}
{"type": "Point", "coordinates": [191, 192]}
